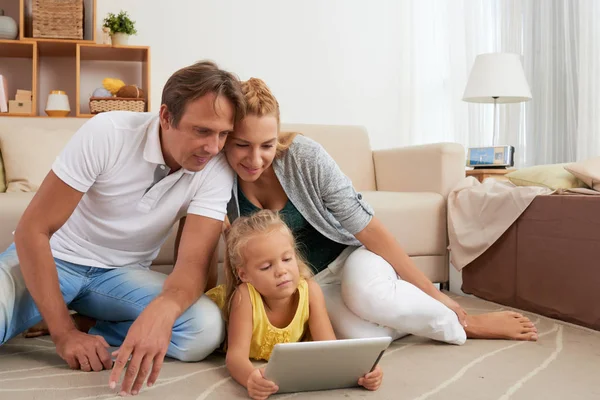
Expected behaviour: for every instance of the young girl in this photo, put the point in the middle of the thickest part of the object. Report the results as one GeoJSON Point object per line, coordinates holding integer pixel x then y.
{"type": "Point", "coordinates": [269, 298]}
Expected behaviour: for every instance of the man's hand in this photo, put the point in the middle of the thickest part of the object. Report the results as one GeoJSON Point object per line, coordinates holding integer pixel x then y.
{"type": "Point", "coordinates": [260, 388]}
{"type": "Point", "coordinates": [83, 351]}
{"type": "Point", "coordinates": [147, 342]}
{"type": "Point", "coordinates": [372, 380]}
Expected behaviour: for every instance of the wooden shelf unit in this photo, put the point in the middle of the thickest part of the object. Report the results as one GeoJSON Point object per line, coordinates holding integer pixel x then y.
{"type": "Point", "coordinates": [57, 48]}
{"type": "Point", "coordinates": [134, 69]}
{"type": "Point", "coordinates": [25, 23]}
{"type": "Point", "coordinates": [15, 57]}
{"type": "Point", "coordinates": [16, 49]}
{"type": "Point", "coordinates": [120, 62]}
{"type": "Point", "coordinates": [76, 66]}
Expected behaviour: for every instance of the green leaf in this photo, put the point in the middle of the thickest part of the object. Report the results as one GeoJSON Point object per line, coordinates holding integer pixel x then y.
{"type": "Point", "coordinates": [120, 23]}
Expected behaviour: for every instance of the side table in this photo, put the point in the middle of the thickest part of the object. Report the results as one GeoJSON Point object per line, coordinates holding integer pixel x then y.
{"type": "Point", "coordinates": [482, 173]}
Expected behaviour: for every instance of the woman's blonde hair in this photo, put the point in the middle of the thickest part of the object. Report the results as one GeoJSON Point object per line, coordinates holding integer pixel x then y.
{"type": "Point", "coordinates": [261, 102]}
{"type": "Point", "coordinates": [242, 230]}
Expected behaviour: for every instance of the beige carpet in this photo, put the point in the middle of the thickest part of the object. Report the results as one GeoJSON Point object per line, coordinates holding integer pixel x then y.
{"type": "Point", "coordinates": [563, 364]}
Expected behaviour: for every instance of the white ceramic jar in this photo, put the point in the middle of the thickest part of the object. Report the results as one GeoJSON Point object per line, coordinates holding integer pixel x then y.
{"type": "Point", "coordinates": [8, 27]}
{"type": "Point", "coordinates": [58, 104]}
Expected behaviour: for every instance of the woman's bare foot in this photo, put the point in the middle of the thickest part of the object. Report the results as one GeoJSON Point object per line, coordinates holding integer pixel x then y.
{"type": "Point", "coordinates": [501, 325]}
{"type": "Point", "coordinates": [83, 324]}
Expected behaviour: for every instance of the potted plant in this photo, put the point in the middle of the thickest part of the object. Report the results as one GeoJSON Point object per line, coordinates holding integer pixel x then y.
{"type": "Point", "coordinates": [121, 27]}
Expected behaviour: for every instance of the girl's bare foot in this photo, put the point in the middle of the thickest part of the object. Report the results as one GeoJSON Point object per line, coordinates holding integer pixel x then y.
{"type": "Point", "coordinates": [501, 325]}
{"type": "Point", "coordinates": [83, 324]}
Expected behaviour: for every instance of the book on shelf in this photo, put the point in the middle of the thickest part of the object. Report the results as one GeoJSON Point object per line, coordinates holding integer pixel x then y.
{"type": "Point", "coordinates": [3, 94]}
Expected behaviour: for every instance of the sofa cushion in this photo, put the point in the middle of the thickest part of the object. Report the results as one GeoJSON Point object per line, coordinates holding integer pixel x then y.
{"type": "Point", "coordinates": [553, 176]}
{"type": "Point", "coordinates": [348, 145]}
{"type": "Point", "coordinates": [417, 220]}
{"type": "Point", "coordinates": [17, 127]}
{"type": "Point", "coordinates": [2, 177]}
{"type": "Point", "coordinates": [162, 268]}
{"type": "Point", "coordinates": [28, 155]}
{"type": "Point", "coordinates": [588, 171]}
{"type": "Point", "coordinates": [12, 206]}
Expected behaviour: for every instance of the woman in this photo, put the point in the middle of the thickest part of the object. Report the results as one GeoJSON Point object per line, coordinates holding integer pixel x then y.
{"type": "Point", "coordinates": [372, 287]}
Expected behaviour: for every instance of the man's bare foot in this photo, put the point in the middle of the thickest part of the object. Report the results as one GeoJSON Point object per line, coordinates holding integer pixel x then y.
{"type": "Point", "coordinates": [83, 324]}
{"type": "Point", "coordinates": [501, 325]}
{"type": "Point", "coordinates": [40, 329]}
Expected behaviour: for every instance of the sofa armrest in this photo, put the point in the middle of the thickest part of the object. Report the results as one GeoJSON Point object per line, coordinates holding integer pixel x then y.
{"type": "Point", "coordinates": [426, 168]}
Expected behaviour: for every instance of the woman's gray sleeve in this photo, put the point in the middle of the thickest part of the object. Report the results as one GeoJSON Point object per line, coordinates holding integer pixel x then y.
{"type": "Point", "coordinates": [339, 195]}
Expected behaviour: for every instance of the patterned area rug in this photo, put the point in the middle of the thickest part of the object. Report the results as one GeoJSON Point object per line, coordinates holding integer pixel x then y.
{"type": "Point", "coordinates": [563, 364]}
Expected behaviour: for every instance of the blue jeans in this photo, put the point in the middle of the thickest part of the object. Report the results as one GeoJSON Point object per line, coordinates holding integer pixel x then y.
{"type": "Point", "coordinates": [115, 298]}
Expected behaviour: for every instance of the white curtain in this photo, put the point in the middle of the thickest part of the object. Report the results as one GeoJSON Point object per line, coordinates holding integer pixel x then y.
{"type": "Point", "coordinates": [560, 47]}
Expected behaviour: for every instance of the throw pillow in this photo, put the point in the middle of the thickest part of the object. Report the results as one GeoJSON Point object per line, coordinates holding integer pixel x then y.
{"type": "Point", "coordinates": [2, 179]}
{"type": "Point", "coordinates": [29, 154]}
{"type": "Point", "coordinates": [588, 171]}
{"type": "Point", "coordinates": [553, 176]}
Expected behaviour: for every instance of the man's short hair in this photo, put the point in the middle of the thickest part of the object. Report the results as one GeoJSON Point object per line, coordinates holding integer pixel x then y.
{"type": "Point", "coordinates": [197, 80]}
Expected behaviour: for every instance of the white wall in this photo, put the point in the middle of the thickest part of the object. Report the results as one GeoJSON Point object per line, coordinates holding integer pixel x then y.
{"type": "Point", "coordinates": [327, 61]}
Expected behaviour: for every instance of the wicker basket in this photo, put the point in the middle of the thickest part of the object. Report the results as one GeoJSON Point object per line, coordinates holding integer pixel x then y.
{"type": "Point", "coordinates": [102, 104]}
{"type": "Point", "coordinates": [57, 19]}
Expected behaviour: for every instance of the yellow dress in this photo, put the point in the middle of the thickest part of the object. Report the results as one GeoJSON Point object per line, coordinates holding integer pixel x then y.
{"type": "Point", "coordinates": [264, 335]}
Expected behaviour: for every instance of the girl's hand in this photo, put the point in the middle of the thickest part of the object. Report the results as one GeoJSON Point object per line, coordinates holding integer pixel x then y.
{"type": "Point", "coordinates": [372, 380]}
{"type": "Point", "coordinates": [258, 387]}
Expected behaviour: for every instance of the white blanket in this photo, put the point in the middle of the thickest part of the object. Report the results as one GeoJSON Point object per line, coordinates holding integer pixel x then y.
{"type": "Point", "coordinates": [479, 213]}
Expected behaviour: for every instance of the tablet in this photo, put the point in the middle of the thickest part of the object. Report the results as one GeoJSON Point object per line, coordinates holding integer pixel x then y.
{"type": "Point", "coordinates": [330, 364]}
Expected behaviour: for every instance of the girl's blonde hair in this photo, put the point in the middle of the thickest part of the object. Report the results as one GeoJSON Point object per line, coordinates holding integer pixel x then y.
{"type": "Point", "coordinates": [242, 230]}
{"type": "Point", "coordinates": [261, 102]}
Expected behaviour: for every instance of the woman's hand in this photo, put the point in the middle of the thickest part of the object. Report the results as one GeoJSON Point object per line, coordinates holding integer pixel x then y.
{"type": "Point", "coordinates": [372, 380]}
{"type": "Point", "coordinates": [454, 306]}
{"type": "Point", "coordinates": [260, 388]}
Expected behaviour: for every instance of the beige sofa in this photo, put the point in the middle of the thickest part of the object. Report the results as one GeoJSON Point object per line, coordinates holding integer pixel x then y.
{"type": "Point", "coordinates": [407, 187]}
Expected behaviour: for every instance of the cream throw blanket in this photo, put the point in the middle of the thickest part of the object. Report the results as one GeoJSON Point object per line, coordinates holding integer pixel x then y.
{"type": "Point", "coordinates": [479, 213]}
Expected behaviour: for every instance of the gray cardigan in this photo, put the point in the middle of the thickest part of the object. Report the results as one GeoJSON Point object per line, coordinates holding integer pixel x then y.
{"type": "Point", "coordinates": [320, 191]}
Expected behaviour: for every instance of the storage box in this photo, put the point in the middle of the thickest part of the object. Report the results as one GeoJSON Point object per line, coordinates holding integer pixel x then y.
{"type": "Point", "coordinates": [23, 97]}
{"type": "Point", "coordinates": [19, 107]}
{"type": "Point", "coordinates": [57, 19]}
{"type": "Point", "coordinates": [103, 104]}
{"type": "Point", "coordinates": [24, 92]}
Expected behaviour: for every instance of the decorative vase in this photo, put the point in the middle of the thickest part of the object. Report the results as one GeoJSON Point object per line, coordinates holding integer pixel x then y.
{"type": "Point", "coordinates": [119, 39]}
{"type": "Point", "coordinates": [8, 27]}
{"type": "Point", "coordinates": [58, 104]}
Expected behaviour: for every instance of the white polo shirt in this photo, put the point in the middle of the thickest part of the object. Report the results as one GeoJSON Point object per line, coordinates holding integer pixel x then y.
{"type": "Point", "coordinates": [130, 203]}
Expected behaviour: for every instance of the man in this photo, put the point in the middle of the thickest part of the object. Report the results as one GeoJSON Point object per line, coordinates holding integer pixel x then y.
{"type": "Point", "coordinates": [99, 219]}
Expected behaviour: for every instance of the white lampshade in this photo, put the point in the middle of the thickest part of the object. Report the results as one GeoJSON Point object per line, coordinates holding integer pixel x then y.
{"type": "Point", "coordinates": [498, 75]}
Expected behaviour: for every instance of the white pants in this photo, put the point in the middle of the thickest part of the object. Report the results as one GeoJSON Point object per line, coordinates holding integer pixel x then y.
{"type": "Point", "coordinates": [366, 298]}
